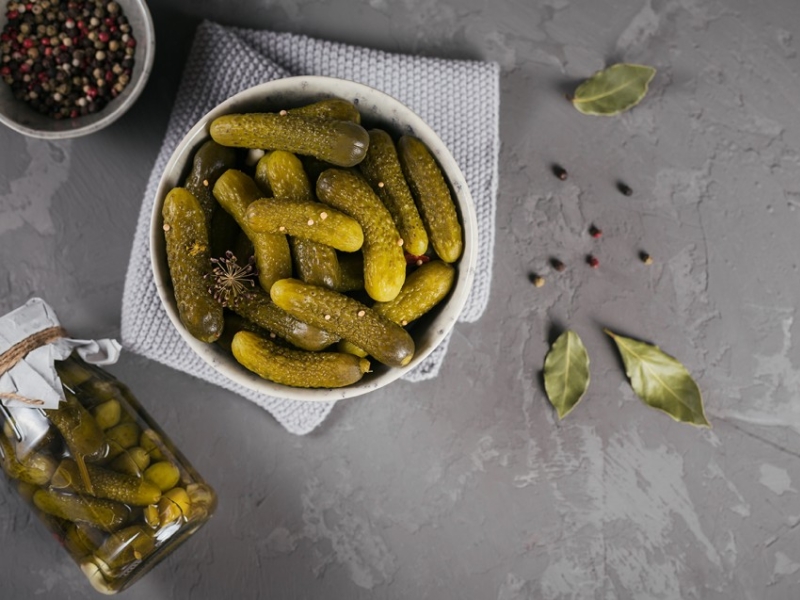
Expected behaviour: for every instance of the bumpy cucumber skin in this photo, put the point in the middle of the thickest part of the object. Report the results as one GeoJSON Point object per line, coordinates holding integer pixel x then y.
{"type": "Point", "coordinates": [314, 262]}
{"type": "Point", "coordinates": [286, 176]}
{"type": "Point", "coordinates": [296, 367]}
{"type": "Point", "coordinates": [106, 484]}
{"type": "Point", "coordinates": [381, 168]}
{"type": "Point", "coordinates": [387, 342]}
{"type": "Point", "coordinates": [235, 191]}
{"type": "Point", "coordinates": [259, 309]}
{"type": "Point", "coordinates": [210, 161]}
{"type": "Point", "coordinates": [427, 184]}
{"type": "Point", "coordinates": [103, 514]}
{"type": "Point", "coordinates": [424, 288]}
{"type": "Point", "coordinates": [261, 177]}
{"type": "Point", "coordinates": [188, 256]}
{"type": "Point", "coordinates": [342, 143]}
{"type": "Point", "coordinates": [331, 108]}
{"type": "Point", "coordinates": [309, 220]}
{"type": "Point", "coordinates": [384, 262]}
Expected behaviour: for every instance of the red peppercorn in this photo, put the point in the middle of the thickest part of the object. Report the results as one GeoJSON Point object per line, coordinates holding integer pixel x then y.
{"type": "Point", "coordinates": [92, 92]}
{"type": "Point", "coordinates": [12, 14]}
{"type": "Point", "coordinates": [48, 51]}
{"type": "Point", "coordinates": [29, 6]}
{"type": "Point", "coordinates": [43, 76]}
{"type": "Point", "coordinates": [73, 114]}
{"type": "Point", "coordinates": [109, 76]}
{"type": "Point", "coordinates": [5, 71]}
{"type": "Point", "coordinates": [103, 36]}
{"type": "Point", "coordinates": [45, 41]}
{"type": "Point", "coordinates": [25, 68]}
{"type": "Point", "coordinates": [28, 43]}
{"type": "Point", "coordinates": [131, 43]}
{"type": "Point", "coordinates": [592, 261]}
{"type": "Point", "coordinates": [108, 21]}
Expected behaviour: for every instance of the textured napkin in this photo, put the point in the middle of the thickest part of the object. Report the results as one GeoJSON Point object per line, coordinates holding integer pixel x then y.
{"type": "Point", "coordinates": [458, 99]}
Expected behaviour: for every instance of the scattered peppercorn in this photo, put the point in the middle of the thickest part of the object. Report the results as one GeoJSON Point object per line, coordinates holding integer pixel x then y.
{"type": "Point", "coordinates": [595, 232]}
{"type": "Point", "coordinates": [66, 59]}
{"type": "Point", "coordinates": [646, 258]}
{"type": "Point", "coordinates": [558, 265]}
{"type": "Point", "coordinates": [537, 280]}
{"type": "Point", "coordinates": [592, 261]}
{"type": "Point", "coordinates": [624, 189]}
{"type": "Point", "coordinates": [560, 172]}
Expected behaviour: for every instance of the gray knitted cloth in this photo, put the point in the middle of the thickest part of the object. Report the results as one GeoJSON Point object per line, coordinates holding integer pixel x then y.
{"type": "Point", "coordinates": [458, 99]}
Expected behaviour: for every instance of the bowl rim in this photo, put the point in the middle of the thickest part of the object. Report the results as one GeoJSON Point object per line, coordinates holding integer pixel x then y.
{"type": "Point", "coordinates": [332, 87]}
{"type": "Point", "coordinates": [118, 110]}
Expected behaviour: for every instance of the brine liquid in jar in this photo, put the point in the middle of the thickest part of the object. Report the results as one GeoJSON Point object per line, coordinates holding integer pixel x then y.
{"type": "Point", "coordinates": [103, 477]}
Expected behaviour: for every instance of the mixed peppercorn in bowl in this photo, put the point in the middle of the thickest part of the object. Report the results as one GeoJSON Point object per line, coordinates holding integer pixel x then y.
{"type": "Point", "coordinates": [69, 68]}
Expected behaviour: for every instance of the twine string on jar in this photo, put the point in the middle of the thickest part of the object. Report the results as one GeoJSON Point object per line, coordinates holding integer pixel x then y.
{"type": "Point", "coordinates": [20, 350]}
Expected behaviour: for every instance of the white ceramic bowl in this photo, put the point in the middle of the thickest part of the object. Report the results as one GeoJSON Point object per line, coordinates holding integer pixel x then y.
{"type": "Point", "coordinates": [22, 118]}
{"type": "Point", "coordinates": [377, 110]}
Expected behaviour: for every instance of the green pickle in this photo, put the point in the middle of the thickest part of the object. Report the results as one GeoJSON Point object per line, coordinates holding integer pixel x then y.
{"type": "Point", "coordinates": [189, 259]}
{"type": "Point", "coordinates": [308, 220]}
{"type": "Point", "coordinates": [427, 184]}
{"type": "Point", "coordinates": [106, 484]}
{"type": "Point", "coordinates": [235, 191]}
{"type": "Point", "coordinates": [210, 161]}
{"type": "Point", "coordinates": [382, 339]}
{"type": "Point", "coordinates": [117, 516]}
{"type": "Point", "coordinates": [296, 367]}
{"type": "Point", "coordinates": [259, 309]}
{"type": "Point", "coordinates": [381, 168]}
{"type": "Point", "coordinates": [384, 261]}
{"type": "Point", "coordinates": [342, 143]}
{"type": "Point", "coordinates": [424, 288]}
{"type": "Point", "coordinates": [315, 262]}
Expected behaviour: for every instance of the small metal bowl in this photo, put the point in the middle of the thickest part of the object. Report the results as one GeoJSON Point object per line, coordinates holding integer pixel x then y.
{"type": "Point", "coordinates": [20, 117]}
{"type": "Point", "coordinates": [377, 110]}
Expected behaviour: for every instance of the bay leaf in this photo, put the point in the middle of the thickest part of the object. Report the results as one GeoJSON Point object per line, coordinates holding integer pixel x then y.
{"type": "Point", "coordinates": [566, 372]}
{"type": "Point", "coordinates": [661, 381]}
{"type": "Point", "coordinates": [613, 90]}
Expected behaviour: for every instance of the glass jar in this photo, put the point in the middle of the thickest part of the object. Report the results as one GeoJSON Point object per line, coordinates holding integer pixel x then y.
{"type": "Point", "coordinates": [103, 477]}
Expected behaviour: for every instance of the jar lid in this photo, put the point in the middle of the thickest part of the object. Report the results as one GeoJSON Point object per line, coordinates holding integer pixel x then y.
{"type": "Point", "coordinates": [31, 340]}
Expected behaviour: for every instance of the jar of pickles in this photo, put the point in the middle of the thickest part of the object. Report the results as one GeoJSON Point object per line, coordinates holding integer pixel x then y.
{"type": "Point", "coordinates": [100, 473]}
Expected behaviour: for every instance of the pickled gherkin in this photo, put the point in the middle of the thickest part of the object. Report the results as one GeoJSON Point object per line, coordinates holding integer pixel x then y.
{"type": "Point", "coordinates": [235, 191]}
{"type": "Point", "coordinates": [427, 184]}
{"type": "Point", "coordinates": [314, 262]}
{"type": "Point", "coordinates": [35, 468]}
{"type": "Point", "coordinates": [210, 161]}
{"type": "Point", "coordinates": [424, 288]}
{"type": "Point", "coordinates": [262, 311]}
{"type": "Point", "coordinates": [384, 261]}
{"type": "Point", "coordinates": [106, 484]}
{"type": "Point", "coordinates": [381, 168]}
{"type": "Point", "coordinates": [342, 143]}
{"type": "Point", "coordinates": [189, 259]}
{"type": "Point", "coordinates": [387, 342]}
{"type": "Point", "coordinates": [309, 220]}
{"type": "Point", "coordinates": [103, 514]}
{"type": "Point", "coordinates": [296, 367]}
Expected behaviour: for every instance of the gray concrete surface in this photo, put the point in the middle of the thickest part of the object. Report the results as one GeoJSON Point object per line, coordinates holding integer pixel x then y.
{"type": "Point", "coordinates": [467, 487]}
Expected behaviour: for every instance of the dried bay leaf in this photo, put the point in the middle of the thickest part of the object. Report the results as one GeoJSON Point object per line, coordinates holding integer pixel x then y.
{"type": "Point", "coordinates": [566, 372]}
{"type": "Point", "coordinates": [661, 381]}
{"type": "Point", "coordinates": [613, 90]}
